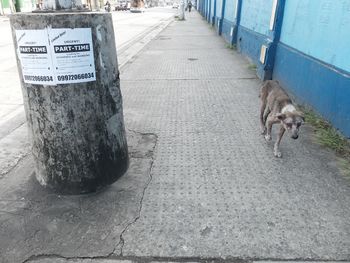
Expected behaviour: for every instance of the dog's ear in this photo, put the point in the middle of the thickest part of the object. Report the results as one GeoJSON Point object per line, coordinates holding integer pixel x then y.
{"type": "Point", "coordinates": [301, 115]}
{"type": "Point", "coordinates": [281, 116]}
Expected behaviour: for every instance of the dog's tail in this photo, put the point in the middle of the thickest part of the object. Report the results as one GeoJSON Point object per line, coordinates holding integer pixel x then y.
{"type": "Point", "coordinates": [262, 88]}
{"type": "Point", "coordinates": [265, 87]}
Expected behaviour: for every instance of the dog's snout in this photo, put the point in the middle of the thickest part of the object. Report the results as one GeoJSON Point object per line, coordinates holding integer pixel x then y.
{"type": "Point", "coordinates": [295, 137]}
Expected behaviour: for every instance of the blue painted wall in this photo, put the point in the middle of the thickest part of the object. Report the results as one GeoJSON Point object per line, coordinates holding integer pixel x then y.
{"type": "Point", "coordinates": [228, 21]}
{"type": "Point", "coordinates": [230, 10]}
{"type": "Point", "coordinates": [209, 9]}
{"type": "Point", "coordinates": [218, 8]}
{"type": "Point", "coordinates": [212, 4]}
{"type": "Point", "coordinates": [308, 50]}
{"type": "Point", "coordinates": [319, 28]}
{"type": "Point", "coordinates": [254, 31]}
{"type": "Point", "coordinates": [256, 15]}
{"type": "Point", "coordinates": [314, 83]}
{"type": "Point", "coordinates": [313, 57]}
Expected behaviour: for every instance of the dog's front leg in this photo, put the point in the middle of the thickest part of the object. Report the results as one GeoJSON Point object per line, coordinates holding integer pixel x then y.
{"type": "Point", "coordinates": [276, 150]}
{"type": "Point", "coordinates": [271, 119]}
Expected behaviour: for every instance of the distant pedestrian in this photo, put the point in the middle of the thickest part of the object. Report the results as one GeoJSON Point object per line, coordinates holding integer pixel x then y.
{"type": "Point", "coordinates": [108, 6]}
{"type": "Point", "coordinates": [189, 6]}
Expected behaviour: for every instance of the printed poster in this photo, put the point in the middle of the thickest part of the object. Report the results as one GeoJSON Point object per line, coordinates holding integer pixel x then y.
{"type": "Point", "coordinates": [34, 54]}
{"type": "Point", "coordinates": [56, 56]}
{"type": "Point", "coordinates": [72, 55]}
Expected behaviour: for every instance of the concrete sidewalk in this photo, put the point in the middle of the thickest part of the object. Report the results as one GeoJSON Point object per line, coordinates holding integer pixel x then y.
{"type": "Point", "coordinates": [203, 185]}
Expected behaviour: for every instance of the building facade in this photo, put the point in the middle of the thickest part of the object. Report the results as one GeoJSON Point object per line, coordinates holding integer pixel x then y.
{"type": "Point", "coordinates": [304, 44]}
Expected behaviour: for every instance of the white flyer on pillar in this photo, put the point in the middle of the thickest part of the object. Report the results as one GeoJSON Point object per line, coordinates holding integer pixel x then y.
{"type": "Point", "coordinates": [34, 54]}
{"type": "Point", "coordinates": [72, 55]}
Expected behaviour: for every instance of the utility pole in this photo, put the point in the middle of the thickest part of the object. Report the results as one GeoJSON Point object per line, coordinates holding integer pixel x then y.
{"type": "Point", "coordinates": [97, 5]}
{"type": "Point", "coordinates": [1, 9]}
{"type": "Point", "coordinates": [182, 10]}
{"type": "Point", "coordinates": [67, 62]}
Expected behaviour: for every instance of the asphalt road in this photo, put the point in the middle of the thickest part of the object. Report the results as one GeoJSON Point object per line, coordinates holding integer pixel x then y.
{"type": "Point", "coordinates": [128, 26]}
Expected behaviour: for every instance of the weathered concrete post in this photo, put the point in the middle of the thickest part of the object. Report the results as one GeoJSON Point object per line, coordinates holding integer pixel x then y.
{"type": "Point", "coordinates": [182, 10]}
{"type": "Point", "coordinates": [68, 67]}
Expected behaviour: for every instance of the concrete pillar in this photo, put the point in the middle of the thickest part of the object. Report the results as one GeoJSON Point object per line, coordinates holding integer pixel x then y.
{"type": "Point", "coordinates": [182, 10]}
{"type": "Point", "coordinates": [68, 68]}
{"type": "Point", "coordinates": [213, 18]}
{"type": "Point", "coordinates": [237, 21]}
{"type": "Point", "coordinates": [221, 19]}
{"type": "Point", "coordinates": [276, 21]}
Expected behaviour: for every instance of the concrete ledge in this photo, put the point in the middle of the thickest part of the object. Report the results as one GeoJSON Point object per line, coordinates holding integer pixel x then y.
{"type": "Point", "coordinates": [226, 30]}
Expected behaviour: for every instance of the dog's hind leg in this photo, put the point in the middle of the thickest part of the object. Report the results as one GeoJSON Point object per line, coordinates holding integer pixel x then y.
{"type": "Point", "coordinates": [266, 113]}
{"type": "Point", "coordinates": [263, 117]}
{"type": "Point", "coordinates": [276, 150]}
{"type": "Point", "coordinates": [264, 110]}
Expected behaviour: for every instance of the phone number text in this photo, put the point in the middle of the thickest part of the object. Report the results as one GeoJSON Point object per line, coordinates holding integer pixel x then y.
{"type": "Point", "coordinates": [75, 76]}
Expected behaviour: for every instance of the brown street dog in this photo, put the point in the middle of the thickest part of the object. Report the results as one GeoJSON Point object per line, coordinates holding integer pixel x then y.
{"type": "Point", "coordinates": [277, 107]}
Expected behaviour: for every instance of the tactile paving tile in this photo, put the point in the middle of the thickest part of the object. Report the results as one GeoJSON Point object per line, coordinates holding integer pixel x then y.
{"type": "Point", "coordinates": [179, 64]}
{"type": "Point", "coordinates": [216, 189]}
{"type": "Point", "coordinates": [194, 28]}
{"type": "Point", "coordinates": [185, 42]}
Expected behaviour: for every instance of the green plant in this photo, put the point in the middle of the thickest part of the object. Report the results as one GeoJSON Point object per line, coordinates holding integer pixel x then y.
{"type": "Point", "coordinates": [252, 66]}
{"type": "Point", "coordinates": [329, 137]}
{"type": "Point", "coordinates": [230, 46]}
{"type": "Point", "coordinates": [344, 166]}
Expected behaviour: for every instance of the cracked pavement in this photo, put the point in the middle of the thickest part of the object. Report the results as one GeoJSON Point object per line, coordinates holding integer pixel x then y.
{"type": "Point", "coordinates": [203, 185]}
{"type": "Point", "coordinates": [36, 223]}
